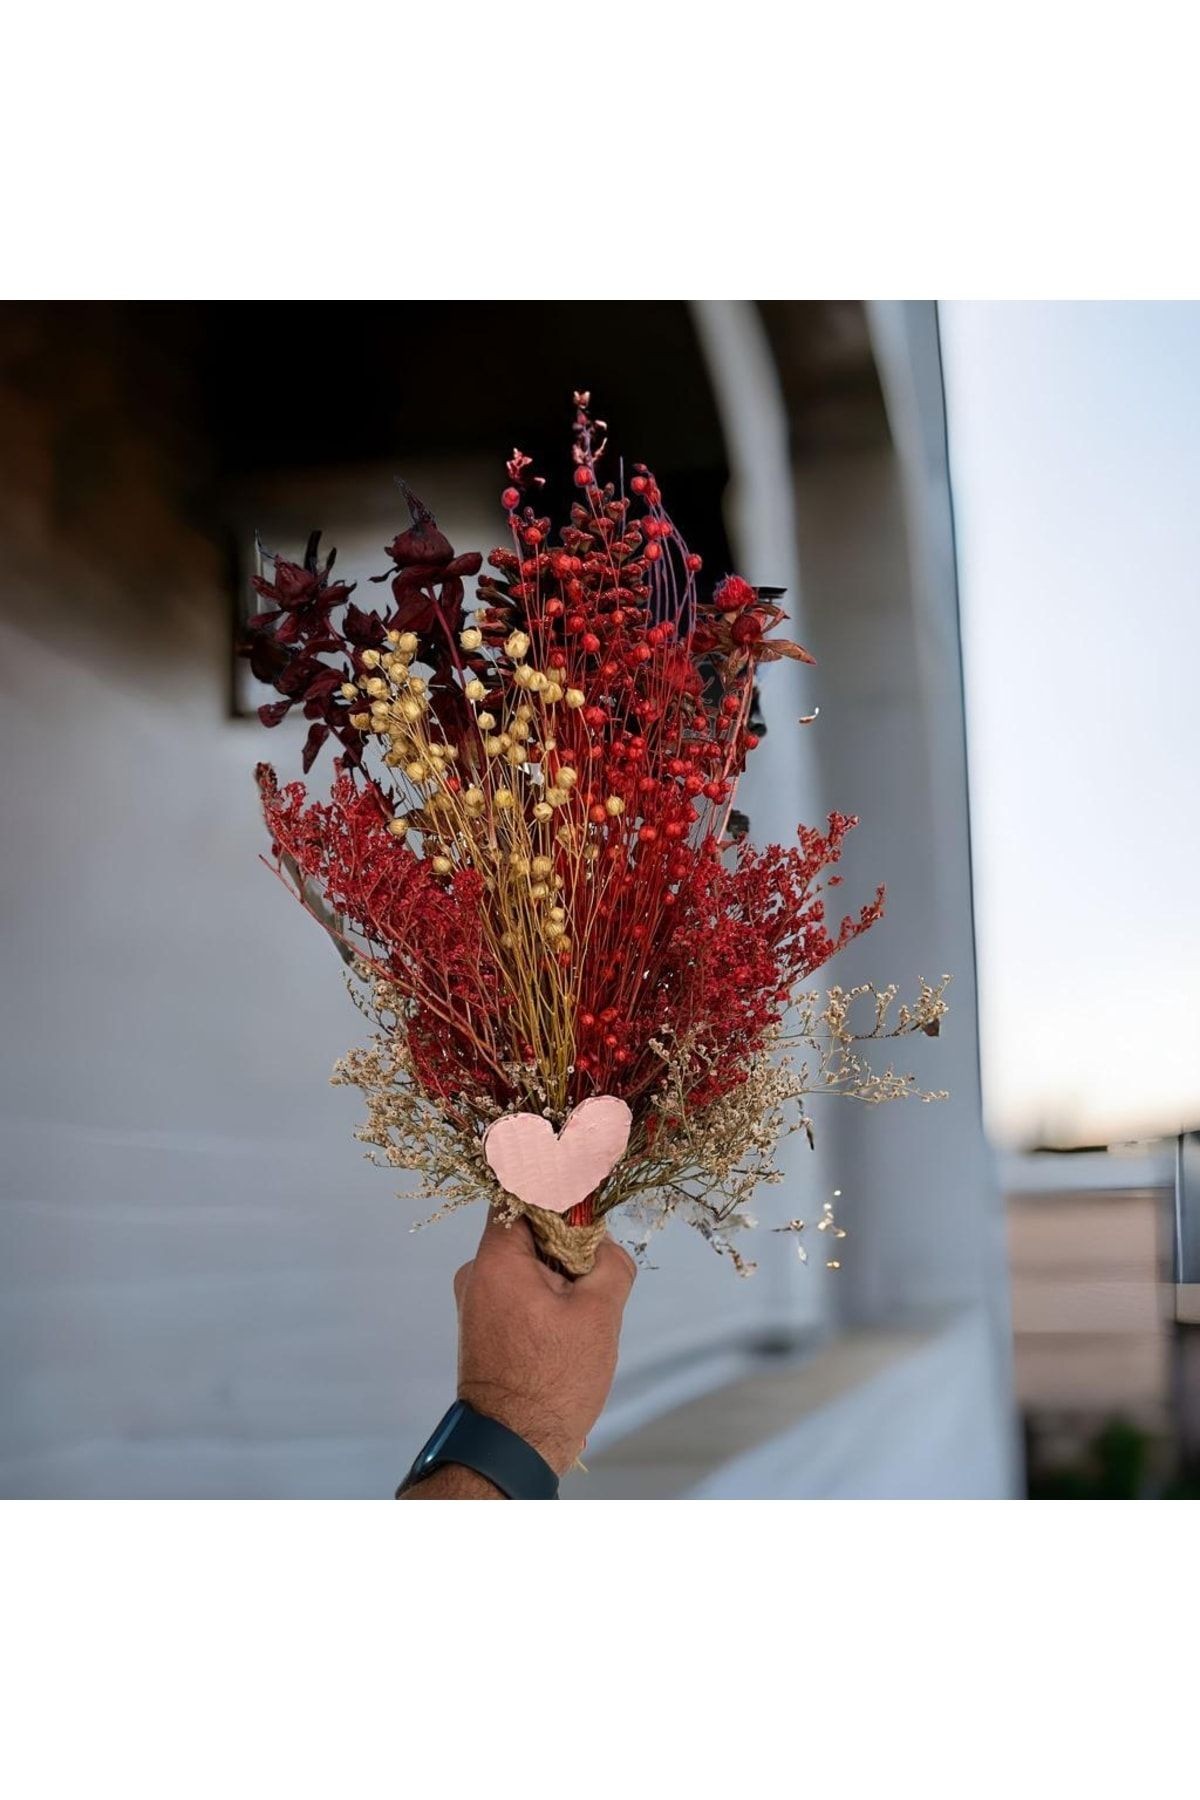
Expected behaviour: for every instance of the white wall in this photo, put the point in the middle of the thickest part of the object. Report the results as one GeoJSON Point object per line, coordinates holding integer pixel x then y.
{"type": "Point", "coordinates": [204, 1289]}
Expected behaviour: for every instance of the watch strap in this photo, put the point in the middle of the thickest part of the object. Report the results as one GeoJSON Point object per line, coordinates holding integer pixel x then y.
{"type": "Point", "coordinates": [474, 1441]}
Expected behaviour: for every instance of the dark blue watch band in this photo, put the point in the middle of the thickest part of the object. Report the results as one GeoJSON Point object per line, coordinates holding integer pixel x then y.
{"type": "Point", "coordinates": [474, 1441]}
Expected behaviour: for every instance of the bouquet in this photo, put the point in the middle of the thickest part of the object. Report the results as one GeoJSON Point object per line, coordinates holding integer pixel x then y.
{"type": "Point", "coordinates": [588, 988]}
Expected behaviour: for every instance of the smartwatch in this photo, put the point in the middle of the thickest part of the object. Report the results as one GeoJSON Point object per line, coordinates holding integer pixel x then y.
{"type": "Point", "coordinates": [476, 1442]}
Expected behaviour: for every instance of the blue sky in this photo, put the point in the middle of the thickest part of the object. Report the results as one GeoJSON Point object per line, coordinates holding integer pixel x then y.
{"type": "Point", "coordinates": [1075, 449]}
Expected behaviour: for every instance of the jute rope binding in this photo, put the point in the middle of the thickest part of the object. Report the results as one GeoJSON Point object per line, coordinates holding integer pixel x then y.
{"type": "Point", "coordinates": [572, 1247]}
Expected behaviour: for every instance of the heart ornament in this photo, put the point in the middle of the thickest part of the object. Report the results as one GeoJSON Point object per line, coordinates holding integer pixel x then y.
{"type": "Point", "coordinates": [556, 1170]}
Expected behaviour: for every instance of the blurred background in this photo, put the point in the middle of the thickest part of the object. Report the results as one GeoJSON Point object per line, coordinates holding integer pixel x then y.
{"type": "Point", "coordinates": [986, 519]}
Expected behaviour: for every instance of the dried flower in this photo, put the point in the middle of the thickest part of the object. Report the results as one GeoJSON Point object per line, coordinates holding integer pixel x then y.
{"type": "Point", "coordinates": [547, 901]}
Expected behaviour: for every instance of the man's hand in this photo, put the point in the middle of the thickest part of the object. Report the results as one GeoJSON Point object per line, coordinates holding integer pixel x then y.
{"type": "Point", "coordinates": [535, 1351]}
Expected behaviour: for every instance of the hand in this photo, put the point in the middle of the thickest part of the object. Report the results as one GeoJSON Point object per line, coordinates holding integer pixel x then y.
{"type": "Point", "coordinates": [537, 1351]}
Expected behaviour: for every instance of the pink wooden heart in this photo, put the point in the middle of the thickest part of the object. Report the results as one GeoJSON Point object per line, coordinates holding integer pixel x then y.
{"type": "Point", "coordinates": [557, 1170]}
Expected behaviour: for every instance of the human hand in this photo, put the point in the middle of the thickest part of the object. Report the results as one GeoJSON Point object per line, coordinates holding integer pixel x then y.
{"type": "Point", "coordinates": [537, 1351]}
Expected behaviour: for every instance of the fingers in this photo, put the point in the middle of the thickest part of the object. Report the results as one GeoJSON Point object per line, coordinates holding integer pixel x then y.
{"type": "Point", "coordinates": [508, 1254]}
{"type": "Point", "coordinates": [613, 1275]}
{"type": "Point", "coordinates": [512, 1251]}
{"type": "Point", "coordinates": [502, 1239]}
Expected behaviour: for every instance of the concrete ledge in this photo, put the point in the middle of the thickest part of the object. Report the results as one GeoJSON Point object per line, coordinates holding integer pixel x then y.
{"type": "Point", "coordinates": [671, 1456]}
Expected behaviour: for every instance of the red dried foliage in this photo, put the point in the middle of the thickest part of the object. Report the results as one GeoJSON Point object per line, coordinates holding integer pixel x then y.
{"type": "Point", "coordinates": [420, 931]}
{"type": "Point", "coordinates": [720, 968]}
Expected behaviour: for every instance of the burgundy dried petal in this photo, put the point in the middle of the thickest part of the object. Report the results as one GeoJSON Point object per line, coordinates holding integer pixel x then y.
{"type": "Point", "coordinates": [450, 708]}
{"type": "Point", "coordinates": [323, 682]}
{"type": "Point", "coordinates": [422, 543]}
{"type": "Point", "coordinates": [362, 628]}
{"type": "Point", "coordinates": [293, 680]}
{"type": "Point", "coordinates": [267, 660]}
{"type": "Point", "coordinates": [452, 604]}
{"type": "Point", "coordinates": [415, 612]}
{"type": "Point", "coordinates": [292, 585]}
{"type": "Point", "coordinates": [312, 745]}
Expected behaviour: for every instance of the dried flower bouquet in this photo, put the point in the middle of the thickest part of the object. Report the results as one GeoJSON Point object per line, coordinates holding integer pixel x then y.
{"type": "Point", "coordinates": [588, 987]}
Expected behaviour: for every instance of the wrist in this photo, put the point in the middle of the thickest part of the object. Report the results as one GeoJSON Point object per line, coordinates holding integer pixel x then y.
{"type": "Point", "coordinates": [453, 1482]}
{"type": "Point", "coordinates": [531, 1419]}
{"type": "Point", "coordinates": [481, 1447]}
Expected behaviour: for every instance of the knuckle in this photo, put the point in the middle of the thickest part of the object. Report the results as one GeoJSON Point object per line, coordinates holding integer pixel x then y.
{"type": "Point", "coordinates": [624, 1262]}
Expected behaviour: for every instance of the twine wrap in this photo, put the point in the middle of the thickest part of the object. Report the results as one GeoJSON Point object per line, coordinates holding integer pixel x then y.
{"type": "Point", "coordinates": [571, 1247]}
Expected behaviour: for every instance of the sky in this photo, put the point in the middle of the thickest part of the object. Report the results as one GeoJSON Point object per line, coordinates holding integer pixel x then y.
{"type": "Point", "coordinates": [1075, 457]}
